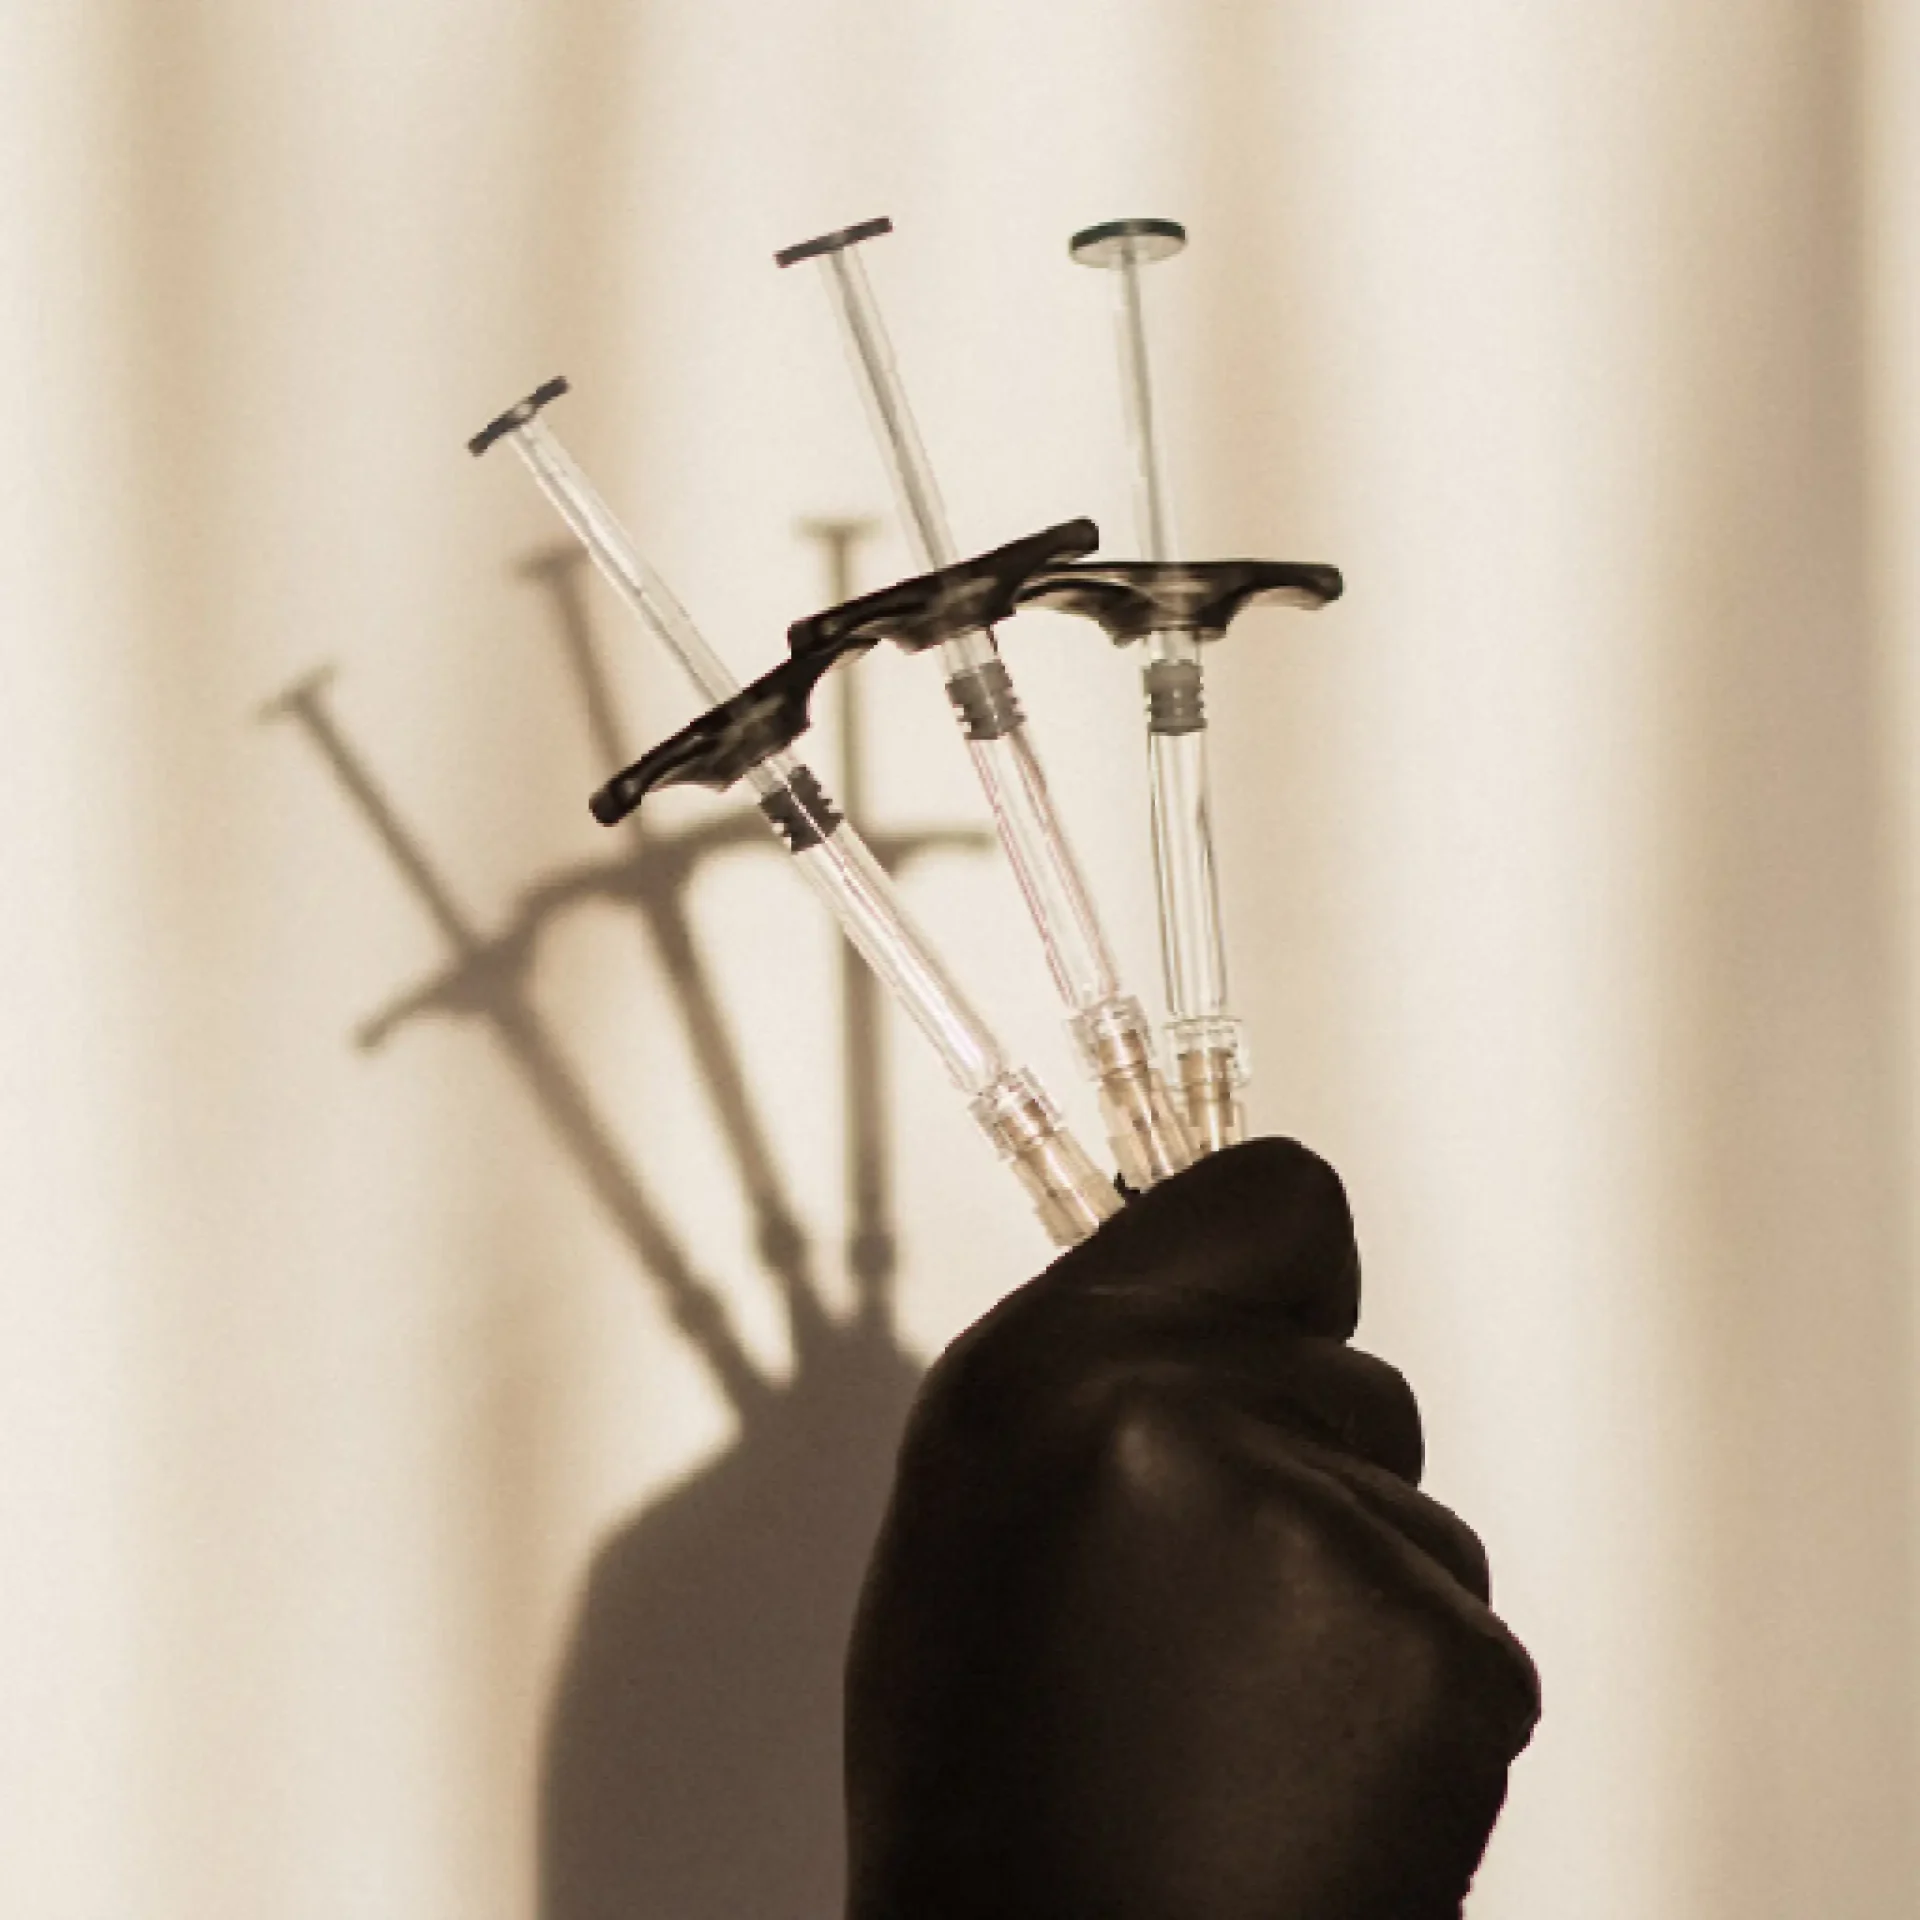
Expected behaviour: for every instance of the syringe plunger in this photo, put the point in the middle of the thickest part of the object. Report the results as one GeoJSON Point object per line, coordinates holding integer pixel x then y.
{"type": "Point", "coordinates": [984, 702]}
{"type": "Point", "coordinates": [748, 736]}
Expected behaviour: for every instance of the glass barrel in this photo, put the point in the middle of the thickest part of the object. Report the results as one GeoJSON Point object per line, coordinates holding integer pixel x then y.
{"type": "Point", "coordinates": [1190, 937]}
{"type": "Point", "coordinates": [1016, 788]}
{"type": "Point", "coordinates": [842, 870]}
{"type": "Point", "coordinates": [1144, 1126]}
{"type": "Point", "coordinates": [1210, 1053]}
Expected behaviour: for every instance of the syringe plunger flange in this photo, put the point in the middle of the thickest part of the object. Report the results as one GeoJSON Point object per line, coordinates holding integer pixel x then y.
{"type": "Point", "coordinates": [1131, 599]}
{"type": "Point", "coordinates": [832, 242]}
{"type": "Point", "coordinates": [723, 744]}
{"type": "Point", "coordinates": [517, 415]}
{"type": "Point", "coordinates": [1119, 243]}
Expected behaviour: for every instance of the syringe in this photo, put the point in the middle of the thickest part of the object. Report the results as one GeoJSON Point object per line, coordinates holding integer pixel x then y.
{"type": "Point", "coordinates": [1175, 607]}
{"type": "Point", "coordinates": [1069, 1192]}
{"type": "Point", "coordinates": [1109, 1026]}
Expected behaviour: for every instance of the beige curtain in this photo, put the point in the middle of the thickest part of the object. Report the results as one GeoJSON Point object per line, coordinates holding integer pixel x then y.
{"type": "Point", "coordinates": [453, 1344]}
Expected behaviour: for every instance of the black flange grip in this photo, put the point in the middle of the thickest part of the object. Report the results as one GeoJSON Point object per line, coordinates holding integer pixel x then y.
{"type": "Point", "coordinates": [716, 749]}
{"type": "Point", "coordinates": [935, 607]}
{"type": "Point", "coordinates": [1133, 598]}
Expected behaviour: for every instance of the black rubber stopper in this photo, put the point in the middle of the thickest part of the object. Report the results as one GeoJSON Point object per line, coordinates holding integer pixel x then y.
{"type": "Point", "coordinates": [1110, 243]}
{"type": "Point", "coordinates": [935, 607]}
{"type": "Point", "coordinates": [832, 242]}
{"type": "Point", "coordinates": [1133, 598]}
{"type": "Point", "coordinates": [716, 749]}
{"type": "Point", "coordinates": [517, 416]}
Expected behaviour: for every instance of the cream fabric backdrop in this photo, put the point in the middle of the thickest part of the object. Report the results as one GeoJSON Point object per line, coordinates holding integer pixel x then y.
{"type": "Point", "coordinates": [1571, 864]}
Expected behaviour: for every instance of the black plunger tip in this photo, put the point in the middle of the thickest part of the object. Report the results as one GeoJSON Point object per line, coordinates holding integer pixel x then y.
{"type": "Point", "coordinates": [832, 242]}
{"type": "Point", "coordinates": [518, 415]}
{"type": "Point", "coordinates": [1116, 241]}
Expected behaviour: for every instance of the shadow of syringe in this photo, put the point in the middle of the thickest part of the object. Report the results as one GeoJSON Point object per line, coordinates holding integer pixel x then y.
{"type": "Point", "coordinates": [488, 978]}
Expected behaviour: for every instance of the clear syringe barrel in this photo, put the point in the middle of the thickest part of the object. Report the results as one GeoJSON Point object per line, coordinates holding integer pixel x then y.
{"type": "Point", "coordinates": [1069, 1192]}
{"type": "Point", "coordinates": [841, 868]}
{"type": "Point", "coordinates": [1182, 831]}
{"type": "Point", "coordinates": [1110, 1028]}
{"type": "Point", "coordinates": [1008, 1104]}
{"type": "Point", "coordinates": [1015, 785]}
{"type": "Point", "coordinates": [1208, 1042]}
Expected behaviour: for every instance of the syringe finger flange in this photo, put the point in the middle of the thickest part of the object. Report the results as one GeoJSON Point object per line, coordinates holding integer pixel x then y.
{"type": "Point", "coordinates": [932, 608]}
{"type": "Point", "coordinates": [1131, 599]}
{"type": "Point", "coordinates": [723, 744]}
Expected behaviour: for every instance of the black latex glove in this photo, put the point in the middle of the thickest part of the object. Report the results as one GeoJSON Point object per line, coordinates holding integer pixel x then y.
{"type": "Point", "coordinates": [1157, 1627]}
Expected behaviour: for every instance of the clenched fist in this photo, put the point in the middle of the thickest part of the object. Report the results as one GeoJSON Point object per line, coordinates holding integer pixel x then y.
{"type": "Point", "coordinates": [1158, 1626]}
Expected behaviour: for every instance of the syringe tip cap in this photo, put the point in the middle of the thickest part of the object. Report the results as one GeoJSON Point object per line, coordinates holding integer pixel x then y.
{"type": "Point", "coordinates": [1114, 242]}
{"type": "Point", "coordinates": [517, 415]}
{"type": "Point", "coordinates": [832, 242]}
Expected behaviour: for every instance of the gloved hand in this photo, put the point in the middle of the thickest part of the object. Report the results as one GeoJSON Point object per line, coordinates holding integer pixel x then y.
{"type": "Point", "coordinates": [1157, 1627]}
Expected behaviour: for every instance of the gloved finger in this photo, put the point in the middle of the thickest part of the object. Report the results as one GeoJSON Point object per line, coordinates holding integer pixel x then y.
{"type": "Point", "coordinates": [1436, 1531]}
{"type": "Point", "coordinates": [1263, 1227]}
{"type": "Point", "coordinates": [1391, 1536]}
{"type": "Point", "coordinates": [1323, 1391]}
{"type": "Point", "coordinates": [1047, 1367]}
{"type": "Point", "coordinates": [1299, 1383]}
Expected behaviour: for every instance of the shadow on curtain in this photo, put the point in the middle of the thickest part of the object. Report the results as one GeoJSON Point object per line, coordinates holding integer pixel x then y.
{"type": "Point", "coordinates": [692, 1751]}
